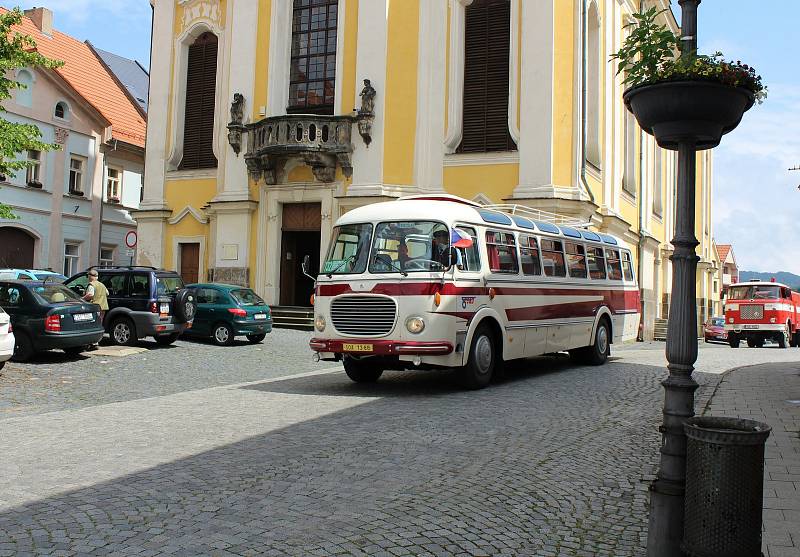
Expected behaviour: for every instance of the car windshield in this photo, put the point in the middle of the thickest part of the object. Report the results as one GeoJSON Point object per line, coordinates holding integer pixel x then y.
{"type": "Point", "coordinates": [410, 246]}
{"type": "Point", "coordinates": [168, 284]}
{"type": "Point", "coordinates": [717, 321]}
{"type": "Point", "coordinates": [349, 250]}
{"type": "Point", "coordinates": [247, 297]}
{"type": "Point", "coordinates": [51, 276]}
{"type": "Point", "coordinates": [53, 294]}
{"type": "Point", "coordinates": [754, 292]}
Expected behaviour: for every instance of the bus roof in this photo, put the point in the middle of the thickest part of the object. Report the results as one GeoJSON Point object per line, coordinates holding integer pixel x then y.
{"type": "Point", "coordinates": [451, 209]}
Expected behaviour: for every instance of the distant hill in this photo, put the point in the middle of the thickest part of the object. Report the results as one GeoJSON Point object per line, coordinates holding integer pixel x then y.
{"type": "Point", "coordinates": [789, 279]}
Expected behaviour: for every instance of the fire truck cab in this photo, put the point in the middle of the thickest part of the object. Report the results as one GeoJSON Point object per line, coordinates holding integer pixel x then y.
{"type": "Point", "coordinates": [756, 311]}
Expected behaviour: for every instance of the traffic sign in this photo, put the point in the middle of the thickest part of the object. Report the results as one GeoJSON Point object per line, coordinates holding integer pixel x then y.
{"type": "Point", "coordinates": [130, 239]}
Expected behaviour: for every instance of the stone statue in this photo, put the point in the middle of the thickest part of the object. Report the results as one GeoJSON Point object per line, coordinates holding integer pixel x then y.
{"type": "Point", "coordinates": [237, 108]}
{"type": "Point", "coordinates": [235, 126]}
{"type": "Point", "coordinates": [367, 99]}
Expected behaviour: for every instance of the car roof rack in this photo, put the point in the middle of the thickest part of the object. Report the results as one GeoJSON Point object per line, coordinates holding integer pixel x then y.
{"type": "Point", "coordinates": [538, 214]}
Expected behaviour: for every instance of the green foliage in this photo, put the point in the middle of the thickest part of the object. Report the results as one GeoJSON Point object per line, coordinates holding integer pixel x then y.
{"type": "Point", "coordinates": [650, 55]}
{"type": "Point", "coordinates": [17, 51]}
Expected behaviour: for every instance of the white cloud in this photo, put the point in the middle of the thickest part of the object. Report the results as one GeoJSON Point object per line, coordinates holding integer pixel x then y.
{"type": "Point", "coordinates": [756, 199]}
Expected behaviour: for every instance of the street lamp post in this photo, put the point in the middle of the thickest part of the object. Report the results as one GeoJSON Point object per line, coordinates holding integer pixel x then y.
{"type": "Point", "coordinates": [667, 492]}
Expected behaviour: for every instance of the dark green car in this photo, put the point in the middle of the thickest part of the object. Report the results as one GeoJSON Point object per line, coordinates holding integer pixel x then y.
{"type": "Point", "coordinates": [225, 311]}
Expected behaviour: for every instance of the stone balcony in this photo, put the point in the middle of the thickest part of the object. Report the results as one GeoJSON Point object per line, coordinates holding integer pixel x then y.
{"type": "Point", "coordinates": [321, 142]}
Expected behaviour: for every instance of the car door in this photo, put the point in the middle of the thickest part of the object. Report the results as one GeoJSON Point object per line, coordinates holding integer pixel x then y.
{"type": "Point", "coordinates": [117, 286]}
{"type": "Point", "coordinates": [15, 303]}
{"type": "Point", "coordinates": [206, 298]}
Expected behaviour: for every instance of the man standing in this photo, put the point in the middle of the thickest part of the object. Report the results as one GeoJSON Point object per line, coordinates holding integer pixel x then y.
{"type": "Point", "coordinates": [97, 293]}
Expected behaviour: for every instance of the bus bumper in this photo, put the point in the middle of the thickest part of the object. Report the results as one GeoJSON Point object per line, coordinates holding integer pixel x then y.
{"type": "Point", "coordinates": [368, 347]}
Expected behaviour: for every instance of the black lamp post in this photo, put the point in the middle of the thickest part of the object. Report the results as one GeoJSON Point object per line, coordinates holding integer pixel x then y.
{"type": "Point", "coordinates": [684, 116]}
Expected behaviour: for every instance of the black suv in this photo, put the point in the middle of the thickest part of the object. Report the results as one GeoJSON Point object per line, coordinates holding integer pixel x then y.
{"type": "Point", "coordinates": [142, 302]}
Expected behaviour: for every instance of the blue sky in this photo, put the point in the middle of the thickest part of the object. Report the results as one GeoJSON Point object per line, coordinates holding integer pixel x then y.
{"type": "Point", "coordinates": [756, 200]}
{"type": "Point", "coordinates": [119, 26]}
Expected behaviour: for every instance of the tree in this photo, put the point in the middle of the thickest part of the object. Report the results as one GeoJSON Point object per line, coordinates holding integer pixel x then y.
{"type": "Point", "coordinates": [17, 51]}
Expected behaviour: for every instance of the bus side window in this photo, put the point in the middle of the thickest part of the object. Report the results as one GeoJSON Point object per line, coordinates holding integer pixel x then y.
{"type": "Point", "coordinates": [470, 258]}
{"type": "Point", "coordinates": [597, 264]}
{"type": "Point", "coordinates": [614, 264]}
{"type": "Point", "coordinates": [529, 256]}
{"type": "Point", "coordinates": [553, 258]}
{"type": "Point", "coordinates": [576, 260]}
{"type": "Point", "coordinates": [502, 251]}
{"type": "Point", "coordinates": [627, 266]}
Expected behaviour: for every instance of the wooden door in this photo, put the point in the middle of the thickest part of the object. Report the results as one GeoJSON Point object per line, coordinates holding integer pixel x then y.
{"type": "Point", "coordinates": [16, 248]}
{"type": "Point", "coordinates": [190, 262]}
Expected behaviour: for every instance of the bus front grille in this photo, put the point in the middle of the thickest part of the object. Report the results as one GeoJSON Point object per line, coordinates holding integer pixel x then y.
{"type": "Point", "coordinates": [366, 316]}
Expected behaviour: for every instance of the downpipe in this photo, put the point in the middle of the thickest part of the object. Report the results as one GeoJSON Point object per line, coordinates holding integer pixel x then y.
{"type": "Point", "coordinates": [584, 93]}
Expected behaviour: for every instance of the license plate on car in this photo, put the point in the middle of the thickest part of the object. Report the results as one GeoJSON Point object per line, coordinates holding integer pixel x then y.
{"type": "Point", "coordinates": [83, 317]}
{"type": "Point", "coordinates": [260, 316]}
{"type": "Point", "coordinates": [357, 347]}
{"type": "Point", "coordinates": [164, 308]}
{"type": "Point", "coordinates": [751, 326]}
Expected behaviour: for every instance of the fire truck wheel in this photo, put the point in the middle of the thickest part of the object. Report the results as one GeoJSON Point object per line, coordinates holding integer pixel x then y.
{"type": "Point", "coordinates": [478, 371]}
{"type": "Point", "coordinates": [733, 341]}
{"type": "Point", "coordinates": [361, 371]}
{"type": "Point", "coordinates": [783, 340]}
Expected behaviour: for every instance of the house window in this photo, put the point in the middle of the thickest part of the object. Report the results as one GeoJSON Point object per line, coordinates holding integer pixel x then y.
{"type": "Point", "coordinates": [201, 83]}
{"type": "Point", "coordinates": [113, 184]}
{"type": "Point", "coordinates": [32, 177]}
{"type": "Point", "coordinates": [76, 176]}
{"type": "Point", "coordinates": [312, 80]}
{"type": "Point", "coordinates": [61, 110]}
{"type": "Point", "coordinates": [487, 37]}
{"type": "Point", "coordinates": [106, 257]}
{"type": "Point", "coordinates": [593, 65]}
{"type": "Point", "coordinates": [72, 255]}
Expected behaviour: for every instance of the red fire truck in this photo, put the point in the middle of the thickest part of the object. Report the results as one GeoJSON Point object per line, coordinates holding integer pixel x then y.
{"type": "Point", "coordinates": [756, 311]}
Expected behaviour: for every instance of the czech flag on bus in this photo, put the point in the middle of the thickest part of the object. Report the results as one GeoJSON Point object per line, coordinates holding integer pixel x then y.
{"type": "Point", "coordinates": [460, 239]}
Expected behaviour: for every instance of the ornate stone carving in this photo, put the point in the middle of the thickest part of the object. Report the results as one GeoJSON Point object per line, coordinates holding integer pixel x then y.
{"type": "Point", "coordinates": [321, 142]}
{"type": "Point", "coordinates": [193, 10]}
{"type": "Point", "coordinates": [235, 126]}
{"type": "Point", "coordinates": [61, 135]}
{"type": "Point", "coordinates": [366, 114]}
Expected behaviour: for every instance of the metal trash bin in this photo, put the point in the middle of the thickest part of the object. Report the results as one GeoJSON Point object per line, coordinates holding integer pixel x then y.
{"type": "Point", "coordinates": [724, 487]}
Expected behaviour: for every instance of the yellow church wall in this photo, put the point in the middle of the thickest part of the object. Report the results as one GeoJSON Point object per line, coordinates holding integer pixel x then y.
{"type": "Point", "coordinates": [401, 92]}
{"type": "Point", "coordinates": [496, 181]}
{"type": "Point", "coordinates": [563, 93]}
{"type": "Point", "coordinates": [350, 51]}
{"type": "Point", "coordinates": [261, 84]}
{"type": "Point", "coordinates": [178, 194]}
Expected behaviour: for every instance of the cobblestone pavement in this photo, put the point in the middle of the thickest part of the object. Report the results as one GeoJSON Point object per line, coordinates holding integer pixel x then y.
{"type": "Point", "coordinates": [771, 393]}
{"type": "Point", "coordinates": [554, 460]}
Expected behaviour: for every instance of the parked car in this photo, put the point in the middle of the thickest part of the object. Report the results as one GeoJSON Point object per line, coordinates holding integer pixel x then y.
{"type": "Point", "coordinates": [30, 274]}
{"type": "Point", "coordinates": [225, 311]}
{"type": "Point", "coordinates": [6, 338]}
{"type": "Point", "coordinates": [714, 330]}
{"type": "Point", "coordinates": [46, 316]}
{"type": "Point", "coordinates": [142, 302]}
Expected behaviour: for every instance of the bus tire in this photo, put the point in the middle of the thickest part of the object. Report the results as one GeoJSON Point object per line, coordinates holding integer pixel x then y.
{"type": "Point", "coordinates": [480, 365]}
{"type": "Point", "coordinates": [598, 353]}
{"type": "Point", "coordinates": [360, 371]}
{"type": "Point", "coordinates": [733, 341]}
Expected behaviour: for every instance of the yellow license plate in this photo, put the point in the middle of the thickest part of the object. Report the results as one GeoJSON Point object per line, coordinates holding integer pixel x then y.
{"type": "Point", "coordinates": [357, 347]}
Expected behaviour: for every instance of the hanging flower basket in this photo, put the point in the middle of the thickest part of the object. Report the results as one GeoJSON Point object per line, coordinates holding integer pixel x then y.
{"type": "Point", "coordinates": [675, 111]}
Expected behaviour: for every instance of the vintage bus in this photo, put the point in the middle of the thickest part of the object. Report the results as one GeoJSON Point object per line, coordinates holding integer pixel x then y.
{"type": "Point", "coordinates": [439, 281]}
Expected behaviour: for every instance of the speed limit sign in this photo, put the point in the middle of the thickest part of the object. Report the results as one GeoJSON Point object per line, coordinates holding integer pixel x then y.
{"type": "Point", "coordinates": [130, 239]}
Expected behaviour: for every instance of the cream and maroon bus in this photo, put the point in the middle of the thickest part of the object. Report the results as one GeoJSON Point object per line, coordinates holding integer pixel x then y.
{"type": "Point", "coordinates": [439, 281]}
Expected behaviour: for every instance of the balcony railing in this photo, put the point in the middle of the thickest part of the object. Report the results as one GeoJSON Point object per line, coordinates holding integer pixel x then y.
{"type": "Point", "coordinates": [321, 142]}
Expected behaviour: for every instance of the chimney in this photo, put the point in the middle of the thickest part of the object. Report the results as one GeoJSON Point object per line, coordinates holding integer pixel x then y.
{"type": "Point", "coordinates": [42, 18]}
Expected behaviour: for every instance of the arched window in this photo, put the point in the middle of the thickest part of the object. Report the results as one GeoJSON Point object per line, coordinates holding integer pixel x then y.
{"type": "Point", "coordinates": [25, 90]}
{"type": "Point", "coordinates": [61, 111]}
{"type": "Point", "coordinates": [487, 37]}
{"type": "Point", "coordinates": [593, 65]}
{"type": "Point", "coordinates": [201, 82]}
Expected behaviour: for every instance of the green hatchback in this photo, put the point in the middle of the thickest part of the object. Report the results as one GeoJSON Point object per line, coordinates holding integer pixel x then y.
{"type": "Point", "coordinates": [225, 311]}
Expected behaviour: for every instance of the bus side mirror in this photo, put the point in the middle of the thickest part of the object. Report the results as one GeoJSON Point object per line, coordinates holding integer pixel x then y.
{"type": "Point", "coordinates": [452, 257]}
{"type": "Point", "coordinates": [306, 263]}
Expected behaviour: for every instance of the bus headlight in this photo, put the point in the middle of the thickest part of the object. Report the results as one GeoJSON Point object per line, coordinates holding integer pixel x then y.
{"type": "Point", "coordinates": [415, 325]}
{"type": "Point", "coordinates": [319, 323]}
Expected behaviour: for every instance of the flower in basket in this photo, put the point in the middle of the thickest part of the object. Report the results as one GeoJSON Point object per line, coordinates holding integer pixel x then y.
{"type": "Point", "coordinates": [650, 55]}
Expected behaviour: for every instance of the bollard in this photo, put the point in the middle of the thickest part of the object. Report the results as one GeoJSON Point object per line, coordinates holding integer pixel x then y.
{"type": "Point", "coordinates": [724, 487]}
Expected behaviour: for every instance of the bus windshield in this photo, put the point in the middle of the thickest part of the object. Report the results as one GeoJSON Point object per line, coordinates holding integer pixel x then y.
{"type": "Point", "coordinates": [754, 292]}
{"type": "Point", "coordinates": [349, 250]}
{"type": "Point", "coordinates": [410, 246]}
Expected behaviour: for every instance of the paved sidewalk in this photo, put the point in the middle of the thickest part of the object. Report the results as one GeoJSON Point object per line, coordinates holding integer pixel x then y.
{"type": "Point", "coordinates": [771, 393]}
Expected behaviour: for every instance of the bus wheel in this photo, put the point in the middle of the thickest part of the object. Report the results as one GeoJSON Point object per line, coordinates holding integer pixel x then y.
{"type": "Point", "coordinates": [478, 371]}
{"type": "Point", "coordinates": [361, 371]}
{"type": "Point", "coordinates": [598, 353]}
{"type": "Point", "coordinates": [733, 341]}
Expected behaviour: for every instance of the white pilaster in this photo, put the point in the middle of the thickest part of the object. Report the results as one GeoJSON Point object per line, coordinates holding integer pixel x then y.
{"type": "Point", "coordinates": [536, 112]}
{"type": "Point", "coordinates": [431, 64]}
{"type": "Point", "coordinates": [163, 24]}
{"type": "Point", "coordinates": [371, 64]}
{"type": "Point", "coordinates": [280, 51]}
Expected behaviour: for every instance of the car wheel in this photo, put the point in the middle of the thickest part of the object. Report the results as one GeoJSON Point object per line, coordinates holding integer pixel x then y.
{"type": "Point", "coordinates": [74, 350]}
{"type": "Point", "coordinates": [223, 334]}
{"type": "Point", "coordinates": [186, 305]}
{"type": "Point", "coordinates": [166, 340]}
{"type": "Point", "coordinates": [23, 347]}
{"type": "Point", "coordinates": [480, 364]}
{"type": "Point", "coordinates": [123, 332]}
{"type": "Point", "coordinates": [255, 339]}
{"type": "Point", "coordinates": [361, 371]}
